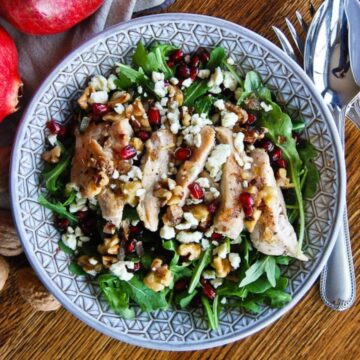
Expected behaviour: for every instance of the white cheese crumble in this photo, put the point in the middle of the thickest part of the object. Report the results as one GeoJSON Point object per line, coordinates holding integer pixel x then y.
{"type": "Point", "coordinates": [157, 76]}
{"type": "Point", "coordinates": [140, 89]}
{"type": "Point", "coordinates": [230, 81]}
{"type": "Point", "coordinates": [216, 78]}
{"type": "Point", "coordinates": [209, 274]}
{"type": "Point", "coordinates": [221, 250]}
{"type": "Point", "coordinates": [69, 240]}
{"type": "Point", "coordinates": [160, 89]}
{"type": "Point", "coordinates": [187, 237]}
{"type": "Point", "coordinates": [99, 83]}
{"type": "Point", "coordinates": [229, 119]}
{"type": "Point", "coordinates": [120, 269]}
{"type": "Point", "coordinates": [174, 80]}
{"type": "Point", "coordinates": [99, 97]}
{"type": "Point", "coordinates": [119, 108]}
{"type": "Point", "coordinates": [111, 82]}
{"type": "Point", "coordinates": [140, 192]}
{"type": "Point", "coordinates": [230, 61]}
{"type": "Point", "coordinates": [235, 260]}
{"type": "Point", "coordinates": [223, 300]}
{"type": "Point", "coordinates": [215, 192]}
{"type": "Point", "coordinates": [191, 133]}
{"type": "Point", "coordinates": [205, 243]}
{"type": "Point", "coordinates": [167, 232]}
{"type": "Point", "coordinates": [52, 138]}
{"type": "Point", "coordinates": [203, 73]}
{"type": "Point", "coordinates": [266, 107]}
{"type": "Point", "coordinates": [190, 218]}
{"type": "Point", "coordinates": [135, 173]}
{"type": "Point", "coordinates": [186, 83]}
{"type": "Point", "coordinates": [216, 282]}
{"type": "Point", "coordinates": [220, 104]}
{"type": "Point", "coordinates": [216, 160]}
{"type": "Point", "coordinates": [203, 182]}
{"type": "Point", "coordinates": [174, 117]}
{"type": "Point", "coordinates": [239, 142]}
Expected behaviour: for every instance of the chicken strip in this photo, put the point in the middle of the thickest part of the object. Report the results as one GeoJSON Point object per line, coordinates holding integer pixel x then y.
{"type": "Point", "coordinates": [154, 164]}
{"type": "Point", "coordinates": [191, 168]}
{"type": "Point", "coordinates": [273, 234]}
{"type": "Point", "coordinates": [229, 219]}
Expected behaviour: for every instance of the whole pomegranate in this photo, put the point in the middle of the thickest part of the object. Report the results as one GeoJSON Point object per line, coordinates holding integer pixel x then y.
{"type": "Point", "coordinates": [43, 17]}
{"type": "Point", "coordinates": [10, 81]}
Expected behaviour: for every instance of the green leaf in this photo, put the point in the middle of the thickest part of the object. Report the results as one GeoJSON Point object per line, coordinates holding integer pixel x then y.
{"type": "Point", "coordinates": [184, 299]}
{"type": "Point", "coordinates": [217, 57]}
{"type": "Point", "coordinates": [57, 208]}
{"type": "Point", "coordinates": [236, 75]}
{"type": "Point", "coordinates": [247, 248]}
{"type": "Point", "coordinates": [195, 91]}
{"type": "Point", "coordinates": [203, 105]}
{"type": "Point", "coordinates": [270, 268]}
{"type": "Point", "coordinates": [250, 305]}
{"type": "Point", "coordinates": [282, 283]}
{"type": "Point", "coordinates": [201, 264]}
{"type": "Point", "coordinates": [64, 248]}
{"type": "Point", "coordinates": [76, 269]}
{"type": "Point", "coordinates": [252, 82]}
{"type": "Point", "coordinates": [51, 177]}
{"type": "Point", "coordinates": [259, 286]}
{"type": "Point", "coordinates": [180, 272]}
{"type": "Point", "coordinates": [254, 272]}
{"type": "Point", "coordinates": [232, 289]}
{"type": "Point", "coordinates": [209, 312]}
{"type": "Point", "coordinates": [216, 311]}
{"type": "Point", "coordinates": [122, 82]}
{"type": "Point", "coordinates": [282, 260]}
{"type": "Point", "coordinates": [277, 298]}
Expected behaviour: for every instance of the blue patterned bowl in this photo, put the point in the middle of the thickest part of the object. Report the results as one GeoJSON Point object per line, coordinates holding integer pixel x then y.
{"type": "Point", "coordinates": [172, 329]}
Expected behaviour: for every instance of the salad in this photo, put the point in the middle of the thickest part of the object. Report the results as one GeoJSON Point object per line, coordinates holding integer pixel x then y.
{"type": "Point", "coordinates": [179, 182]}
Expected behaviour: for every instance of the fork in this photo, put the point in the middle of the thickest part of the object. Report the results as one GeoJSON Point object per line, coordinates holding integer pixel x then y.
{"type": "Point", "coordinates": [353, 112]}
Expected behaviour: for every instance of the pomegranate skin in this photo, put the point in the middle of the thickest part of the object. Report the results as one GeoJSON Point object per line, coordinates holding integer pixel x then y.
{"type": "Point", "coordinates": [44, 17]}
{"type": "Point", "coordinates": [10, 81]}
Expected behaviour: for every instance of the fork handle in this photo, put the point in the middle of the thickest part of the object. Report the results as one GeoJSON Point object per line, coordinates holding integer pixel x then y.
{"type": "Point", "coordinates": [337, 281]}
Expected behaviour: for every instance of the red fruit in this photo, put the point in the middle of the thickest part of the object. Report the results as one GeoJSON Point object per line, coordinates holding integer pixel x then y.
{"type": "Point", "coordinates": [154, 116]}
{"type": "Point", "coordinates": [248, 211]}
{"type": "Point", "coordinates": [82, 215]}
{"type": "Point", "coordinates": [127, 152]}
{"type": "Point", "coordinates": [246, 200]}
{"type": "Point", "coordinates": [193, 72]}
{"type": "Point", "coordinates": [212, 207]}
{"type": "Point", "coordinates": [183, 71]}
{"type": "Point", "coordinates": [10, 81]}
{"type": "Point", "coordinates": [209, 291]}
{"type": "Point", "coordinates": [196, 191]}
{"type": "Point", "coordinates": [100, 109]}
{"type": "Point", "coordinates": [181, 285]}
{"type": "Point", "coordinates": [137, 267]}
{"type": "Point", "coordinates": [176, 56]}
{"type": "Point", "coordinates": [135, 229]}
{"type": "Point", "coordinates": [56, 128]}
{"type": "Point", "coordinates": [268, 145]}
{"type": "Point", "coordinates": [183, 154]}
{"type": "Point", "coordinates": [143, 135]}
{"type": "Point", "coordinates": [63, 224]}
{"type": "Point", "coordinates": [216, 236]}
{"type": "Point", "coordinates": [204, 56]}
{"type": "Point", "coordinates": [276, 154]}
{"type": "Point", "coordinates": [40, 17]}
{"type": "Point", "coordinates": [281, 163]}
{"type": "Point", "coordinates": [251, 118]}
{"type": "Point", "coordinates": [130, 247]}
{"type": "Point", "coordinates": [170, 63]}
{"type": "Point", "coordinates": [195, 61]}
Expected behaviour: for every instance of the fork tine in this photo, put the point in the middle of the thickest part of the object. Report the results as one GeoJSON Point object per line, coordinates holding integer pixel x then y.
{"type": "Point", "coordinates": [304, 25]}
{"type": "Point", "coordinates": [285, 44]}
{"type": "Point", "coordinates": [297, 40]}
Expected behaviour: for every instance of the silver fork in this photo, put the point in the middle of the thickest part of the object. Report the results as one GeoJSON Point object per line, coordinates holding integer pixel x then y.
{"type": "Point", "coordinates": [345, 293]}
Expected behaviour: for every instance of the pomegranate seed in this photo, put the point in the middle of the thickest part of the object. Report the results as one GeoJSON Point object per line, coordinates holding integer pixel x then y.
{"type": "Point", "coordinates": [127, 152]}
{"type": "Point", "coordinates": [193, 72]}
{"type": "Point", "coordinates": [130, 247]}
{"type": "Point", "coordinates": [99, 109]}
{"type": "Point", "coordinates": [135, 229]}
{"type": "Point", "coordinates": [137, 267]}
{"type": "Point", "coordinates": [195, 61]}
{"type": "Point", "coordinates": [181, 285]}
{"type": "Point", "coordinates": [196, 191]}
{"type": "Point", "coordinates": [204, 56]}
{"type": "Point", "coordinates": [183, 71]}
{"type": "Point", "coordinates": [170, 63]}
{"type": "Point", "coordinates": [281, 163]}
{"type": "Point", "coordinates": [154, 116]}
{"type": "Point", "coordinates": [251, 118]}
{"type": "Point", "coordinates": [183, 154]}
{"type": "Point", "coordinates": [176, 56]}
{"type": "Point", "coordinates": [203, 281]}
{"type": "Point", "coordinates": [216, 236]}
{"type": "Point", "coordinates": [55, 128]}
{"type": "Point", "coordinates": [296, 137]}
{"type": "Point", "coordinates": [246, 200]}
{"type": "Point", "coordinates": [82, 215]}
{"type": "Point", "coordinates": [209, 291]}
{"type": "Point", "coordinates": [276, 154]}
{"type": "Point", "coordinates": [268, 145]}
{"type": "Point", "coordinates": [248, 211]}
{"type": "Point", "coordinates": [212, 207]}
{"type": "Point", "coordinates": [143, 135]}
{"type": "Point", "coordinates": [63, 224]}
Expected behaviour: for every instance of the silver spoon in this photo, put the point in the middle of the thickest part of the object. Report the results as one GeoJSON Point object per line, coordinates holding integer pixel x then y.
{"type": "Point", "coordinates": [323, 52]}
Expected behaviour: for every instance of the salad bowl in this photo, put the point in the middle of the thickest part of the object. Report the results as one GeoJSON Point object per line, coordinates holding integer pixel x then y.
{"type": "Point", "coordinates": [172, 329]}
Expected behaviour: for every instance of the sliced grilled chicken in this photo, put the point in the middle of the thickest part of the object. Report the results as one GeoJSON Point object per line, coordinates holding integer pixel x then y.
{"type": "Point", "coordinates": [229, 219]}
{"type": "Point", "coordinates": [154, 164]}
{"type": "Point", "coordinates": [112, 206]}
{"type": "Point", "coordinates": [273, 234]}
{"type": "Point", "coordinates": [191, 168]}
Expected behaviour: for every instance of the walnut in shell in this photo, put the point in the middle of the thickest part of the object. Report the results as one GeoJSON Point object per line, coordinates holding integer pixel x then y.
{"type": "Point", "coordinates": [4, 272]}
{"type": "Point", "coordinates": [33, 291]}
{"type": "Point", "coordinates": [9, 241]}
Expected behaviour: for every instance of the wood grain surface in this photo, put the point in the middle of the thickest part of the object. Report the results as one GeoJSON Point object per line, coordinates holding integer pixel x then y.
{"type": "Point", "coordinates": [309, 331]}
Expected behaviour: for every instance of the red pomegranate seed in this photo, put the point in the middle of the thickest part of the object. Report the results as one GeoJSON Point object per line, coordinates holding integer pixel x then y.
{"type": "Point", "coordinates": [154, 116]}
{"type": "Point", "coordinates": [183, 154]}
{"type": "Point", "coordinates": [99, 109]}
{"type": "Point", "coordinates": [246, 200]}
{"type": "Point", "coordinates": [209, 291]}
{"type": "Point", "coordinates": [143, 135]}
{"type": "Point", "coordinates": [268, 146]}
{"type": "Point", "coordinates": [204, 56]}
{"type": "Point", "coordinates": [137, 266]}
{"type": "Point", "coordinates": [176, 56]}
{"type": "Point", "coordinates": [276, 154]}
{"type": "Point", "coordinates": [127, 152]}
{"type": "Point", "coordinates": [203, 281]}
{"type": "Point", "coordinates": [212, 207]}
{"type": "Point", "coordinates": [55, 128]}
{"type": "Point", "coordinates": [193, 72]}
{"type": "Point", "coordinates": [195, 61]}
{"type": "Point", "coordinates": [248, 211]}
{"type": "Point", "coordinates": [181, 285]}
{"type": "Point", "coordinates": [251, 118]}
{"type": "Point", "coordinates": [196, 191]}
{"type": "Point", "coordinates": [130, 247]}
{"type": "Point", "coordinates": [63, 224]}
{"type": "Point", "coordinates": [170, 63]}
{"type": "Point", "coordinates": [184, 71]}
{"type": "Point", "coordinates": [82, 215]}
{"type": "Point", "coordinates": [216, 236]}
{"type": "Point", "coordinates": [281, 163]}
{"type": "Point", "coordinates": [135, 229]}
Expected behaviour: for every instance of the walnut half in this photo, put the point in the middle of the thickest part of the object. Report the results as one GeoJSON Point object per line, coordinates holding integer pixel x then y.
{"type": "Point", "coordinates": [159, 277]}
{"type": "Point", "coordinates": [53, 155]}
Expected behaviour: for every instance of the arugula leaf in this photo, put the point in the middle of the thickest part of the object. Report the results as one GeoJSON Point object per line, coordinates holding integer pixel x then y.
{"type": "Point", "coordinates": [270, 269]}
{"type": "Point", "coordinates": [209, 312]}
{"type": "Point", "coordinates": [203, 105]}
{"type": "Point", "coordinates": [234, 72]}
{"type": "Point", "coordinates": [282, 260]}
{"type": "Point", "coordinates": [259, 286]}
{"type": "Point", "coordinates": [201, 264]}
{"type": "Point", "coordinates": [123, 82]}
{"type": "Point", "coordinates": [57, 208]}
{"type": "Point", "coordinates": [195, 91]}
{"type": "Point", "coordinates": [250, 305]}
{"type": "Point", "coordinates": [253, 272]}
{"type": "Point", "coordinates": [183, 299]}
{"type": "Point", "coordinates": [217, 57]}
{"type": "Point", "coordinates": [76, 269]}
{"type": "Point", "coordinates": [51, 177]}
{"type": "Point", "coordinates": [232, 289]}
{"type": "Point", "coordinates": [216, 311]}
{"type": "Point", "coordinates": [276, 297]}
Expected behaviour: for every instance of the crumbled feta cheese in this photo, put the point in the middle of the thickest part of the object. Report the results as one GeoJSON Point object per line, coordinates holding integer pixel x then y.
{"type": "Point", "coordinates": [119, 108]}
{"type": "Point", "coordinates": [205, 243]}
{"type": "Point", "coordinates": [209, 274]}
{"type": "Point", "coordinates": [265, 106]}
{"type": "Point", "coordinates": [99, 97]}
{"type": "Point", "coordinates": [183, 226]}
{"type": "Point", "coordinates": [215, 192]}
{"type": "Point", "coordinates": [174, 117]}
{"type": "Point", "coordinates": [99, 83]}
{"type": "Point", "coordinates": [209, 232]}
{"type": "Point", "coordinates": [135, 173]}
{"type": "Point", "coordinates": [174, 80]}
{"type": "Point", "coordinates": [171, 184]}
{"type": "Point", "coordinates": [157, 76]}
{"type": "Point", "coordinates": [197, 140]}
{"type": "Point", "coordinates": [140, 89]}
{"type": "Point", "coordinates": [229, 119]}
{"type": "Point", "coordinates": [187, 58]}
{"type": "Point", "coordinates": [220, 104]}
{"type": "Point", "coordinates": [221, 250]}
{"type": "Point", "coordinates": [216, 78]}
{"type": "Point", "coordinates": [247, 166]}
{"type": "Point", "coordinates": [140, 192]}
{"type": "Point", "coordinates": [164, 101]}
{"type": "Point", "coordinates": [111, 82]}
{"type": "Point", "coordinates": [190, 218]}
{"type": "Point", "coordinates": [120, 269]}
{"type": "Point", "coordinates": [216, 282]}
{"type": "Point", "coordinates": [115, 175]}
{"type": "Point", "coordinates": [69, 240]}
{"type": "Point", "coordinates": [215, 89]}
{"type": "Point", "coordinates": [160, 89]}
{"type": "Point", "coordinates": [217, 158]}
{"type": "Point", "coordinates": [69, 187]}
{"type": "Point", "coordinates": [223, 300]}
{"type": "Point", "coordinates": [239, 142]}
{"type": "Point", "coordinates": [203, 73]}
{"type": "Point", "coordinates": [230, 81]}
{"type": "Point", "coordinates": [186, 83]}
{"type": "Point", "coordinates": [230, 61]}
{"type": "Point", "coordinates": [93, 261]}
{"type": "Point", "coordinates": [245, 184]}
{"type": "Point", "coordinates": [187, 237]}
{"type": "Point", "coordinates": [84, 238]}
{"type": "Point", "coordinates": [191, 133]}
{"type": "Point", "coordinates": [52, 138]}
{"type": "Point", "coordinates": [167, 232]}
{"type": "Point", "coordinates": [203, 182]}
{"type": "Point", "coordinates": [235, 260]}
{"type": "Point", "coordinates": [78, 232]}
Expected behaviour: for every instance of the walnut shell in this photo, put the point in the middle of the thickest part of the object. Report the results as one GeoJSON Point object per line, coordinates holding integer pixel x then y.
{"type": "Point", "coordinates": [4, 272]}
{"type": "Point", "coordinates": [9, 241]}
{"type": "Point", "coordinates": [33, 291]}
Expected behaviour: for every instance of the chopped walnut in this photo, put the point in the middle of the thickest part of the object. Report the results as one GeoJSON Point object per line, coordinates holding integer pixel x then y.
{"type": "Point", "coordinates": [222, 266]}
{"type": "Point", "coordinates": [241, 113]}
{"type": "Point", "coordinates": [159, 277]}
{"type": "Point", "coordinates": [89, 263]}
{"type": "Point", "coordinates": [129, 190]}
{"type": "Point", "coordinates": [119, 97]}
{"type": "Point", "coordinates": [83, 99]}
{"type": "Point", "coordinates": [112, 116]}
{"type": "Point", "coordinates": [193, 251]}
{"type": "Point", "coordinates": [176, 95]}
{"type": "Point", "coordinates": [109, 228]}
{"type": "Point", "coordinates": [110, 246]}
{"type": "Point", "coordinates": [53, 155]}
{"type": "Point", "coordinates": [173, 215]}
{"type": "Point", "coordinates": [108, 260]}
{"type": "Point", "coordinates": [200, 212]}
{"type": "Point", "coordinates": [253, 103]}
{"type": "Point", "coordinates": [176, 197]}
{"type": "Point", "coordinates": [163, 195]}
{"type": "Point", "coordinates": [137, 144]}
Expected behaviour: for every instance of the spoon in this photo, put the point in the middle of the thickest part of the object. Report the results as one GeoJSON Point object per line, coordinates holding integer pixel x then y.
{"type": "Point", "coordinates": [325, 62]}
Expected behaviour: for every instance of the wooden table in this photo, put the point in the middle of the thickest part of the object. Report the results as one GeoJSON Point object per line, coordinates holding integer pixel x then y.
{"type": "Point", "coordinates": [309, 331]}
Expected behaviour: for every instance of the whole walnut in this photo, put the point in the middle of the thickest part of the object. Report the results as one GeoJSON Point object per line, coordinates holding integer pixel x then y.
{"type": "Point", "coordinates": [4, 272]}
{"type": "Point", "coordinates": [9, 241]}
{"type": "Point", "coordinates": [34, 292]}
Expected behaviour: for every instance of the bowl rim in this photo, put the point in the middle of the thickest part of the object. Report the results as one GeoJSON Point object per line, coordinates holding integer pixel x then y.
{"type": "Point", "coordinates": [208, 343]}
